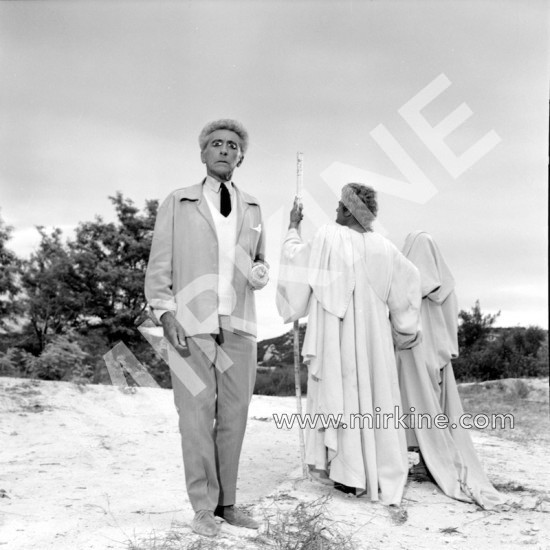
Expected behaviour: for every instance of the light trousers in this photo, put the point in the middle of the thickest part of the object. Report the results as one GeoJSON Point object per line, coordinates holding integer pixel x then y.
{"type": "Point", "coordinates": [212, 421]}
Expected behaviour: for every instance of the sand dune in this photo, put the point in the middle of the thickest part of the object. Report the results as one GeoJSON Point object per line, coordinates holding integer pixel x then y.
{"type": "Point", "coordinates": [91, 467]}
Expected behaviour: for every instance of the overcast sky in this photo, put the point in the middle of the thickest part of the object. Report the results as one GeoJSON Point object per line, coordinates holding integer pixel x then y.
{"type": "Point", "coordinates": [99, 97]}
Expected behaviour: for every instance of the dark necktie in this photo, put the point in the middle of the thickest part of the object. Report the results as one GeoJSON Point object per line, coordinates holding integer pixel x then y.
{"type": "Point", "coordinates": [225, 201]}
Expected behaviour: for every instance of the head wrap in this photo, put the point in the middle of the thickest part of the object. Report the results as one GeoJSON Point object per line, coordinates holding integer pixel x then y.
{"type": "Point", "coordinates": [357, 207]}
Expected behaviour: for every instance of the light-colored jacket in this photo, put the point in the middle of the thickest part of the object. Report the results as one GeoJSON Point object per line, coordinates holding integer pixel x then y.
{"type": "Point", "coordinates": [182, 274]}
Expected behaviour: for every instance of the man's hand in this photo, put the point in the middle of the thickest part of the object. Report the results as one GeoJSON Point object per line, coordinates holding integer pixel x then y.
{"type": "Point", "coordinates": [259, 276]}
{"type": "Point", "coordinates": [174, 333]}
{"type": "Point", "coordinates": [296, 215]}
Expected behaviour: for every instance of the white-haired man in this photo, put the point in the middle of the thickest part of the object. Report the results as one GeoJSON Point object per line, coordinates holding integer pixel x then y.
{"type": "Point", "coordinates": [207, 258]}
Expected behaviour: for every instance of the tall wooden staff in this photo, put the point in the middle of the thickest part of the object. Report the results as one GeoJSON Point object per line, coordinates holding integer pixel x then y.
{"type": "Point", "coordinates": [296, 328]}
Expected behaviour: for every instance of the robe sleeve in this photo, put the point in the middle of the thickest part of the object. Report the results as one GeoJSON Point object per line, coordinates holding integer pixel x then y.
{"type": "Point", "coordinates": [404, 301]}
{"type": "Point", "coordinates": [293, 290]}
{"type": "Point", "coordinates": [331, 271]}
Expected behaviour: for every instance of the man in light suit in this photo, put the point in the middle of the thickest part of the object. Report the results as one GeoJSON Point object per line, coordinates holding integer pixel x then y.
{"type": "Point", "coordinates": [206, 260]}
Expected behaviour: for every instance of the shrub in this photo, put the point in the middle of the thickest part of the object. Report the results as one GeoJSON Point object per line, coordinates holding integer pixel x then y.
{"type": "Point", "coordinates": [521, 389]}
{"type": "Point", "coordinates": [7, 367]}
{"type": "Point", "coordinates": [16, 362]}
{"type": "Point", "coordinates": [514, 353]}
{"type": "Point", "coordinates": [280, 381]}
{"type": "Point", "coordinates": [61, 359]}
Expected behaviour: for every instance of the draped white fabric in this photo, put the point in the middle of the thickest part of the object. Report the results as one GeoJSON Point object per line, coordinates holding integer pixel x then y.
{"type": "Point", "coordinates": [427, 381]}
{"type": "Point", "coordinates": [360, 289]}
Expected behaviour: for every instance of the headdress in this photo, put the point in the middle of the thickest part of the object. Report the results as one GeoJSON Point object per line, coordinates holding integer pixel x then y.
{"type": "Point", "coordinates": [359, 210]}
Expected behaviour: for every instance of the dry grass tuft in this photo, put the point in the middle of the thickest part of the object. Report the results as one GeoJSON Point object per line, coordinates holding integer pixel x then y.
{"type": "Point", "coordinates": [305, 527]}
{"type": "Point", "coordinates": [157, 541]}
{"type": "Point", "coordinates": [172, 540]}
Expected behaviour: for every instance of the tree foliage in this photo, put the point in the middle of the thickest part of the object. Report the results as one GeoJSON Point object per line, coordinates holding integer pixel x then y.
{"type": "Point", "coordinates": [16, 362]}
{"type": "Point", "coordinates": [89, 287]}
{"type": "Point", "coordinates": [110, 260]}
{"type": "Point", "coordinates": [77, 297]}
{"type": "Point", "coordinates": [9, 270]}
{"type": "Point", "coordinates": [489, 353]}
{"type": "Point", "coordinates": [474, 327]}
{"type": "Point", "coordinates": [49, 281]}
{"type": "Point", "coordinates": [62, 359]}
{"type": "Point", "coordinates": [94, 279]}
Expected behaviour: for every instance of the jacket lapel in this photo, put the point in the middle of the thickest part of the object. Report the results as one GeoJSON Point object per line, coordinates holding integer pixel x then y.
{"type": "Point", "coordinates": [241, 210]}
{"type": "Point", "coordinates": [205, 212]}
{"type": "Point", "coordinates": [244, 200]}
{"type": "Point", "coordinates": [202, 206]}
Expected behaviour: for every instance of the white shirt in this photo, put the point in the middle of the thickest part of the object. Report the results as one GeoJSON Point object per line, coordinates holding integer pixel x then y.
{"type": "Point", "coordinates": [211, 190]}
{"type": "Point", "coordinates": [226, 230]}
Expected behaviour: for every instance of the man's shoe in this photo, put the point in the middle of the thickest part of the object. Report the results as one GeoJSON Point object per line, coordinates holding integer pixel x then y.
{"type": "Point", "coordinates": [205, 524]}
{"type": "Point", "coordinates": [236, 517]}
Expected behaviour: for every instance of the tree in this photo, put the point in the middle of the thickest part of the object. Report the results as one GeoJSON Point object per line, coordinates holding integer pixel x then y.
{"type": "Point", "coordinates": [474, 327]}
{"type": "Point", "coordinates": [49, 279]}
{"type": "Point", "coordinates": [9, 271]}
{"type": "Point", "coordinates": [475, 361]}
{"type": "Point", "coordinates": [512, 353]}
{"type": "Point", "coordinates": [96, 279]}
{"type": "Point", "coordinates": [91, 286]}
{"type": "Point", "coordinates": [110, 261]}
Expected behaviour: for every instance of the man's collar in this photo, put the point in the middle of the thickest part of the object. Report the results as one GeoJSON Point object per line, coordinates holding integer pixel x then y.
{"type": "Point", "coordinates": [195, 193]}
{"type": "Point", "coordinates": [214, 184]}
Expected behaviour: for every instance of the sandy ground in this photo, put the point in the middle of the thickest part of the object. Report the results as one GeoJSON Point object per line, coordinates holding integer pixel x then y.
{"type": "Point", "coordinates": [93, 467]}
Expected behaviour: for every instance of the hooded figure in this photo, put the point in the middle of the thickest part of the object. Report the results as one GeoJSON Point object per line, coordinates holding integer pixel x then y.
{"type": "Point", "coordinates": [427, 382]}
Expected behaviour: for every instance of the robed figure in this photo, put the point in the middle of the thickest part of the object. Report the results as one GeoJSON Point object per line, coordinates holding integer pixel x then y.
{"type": "Point", "coordinates": [428, 384]}
{"type": "Point", "coordinates": [361, 297]}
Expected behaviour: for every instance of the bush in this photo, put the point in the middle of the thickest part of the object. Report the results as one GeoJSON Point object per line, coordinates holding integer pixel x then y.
{"type": "Point", "coordinates": [513, 353]}
{"type": "Point", "coordinates": [280, 381]}
{"type": "Point", "coordinates": [521, 389]}
{"type": "Point", "coordinates": [62, 359]}
{"type": "Point", "coordinates": [16, 362]}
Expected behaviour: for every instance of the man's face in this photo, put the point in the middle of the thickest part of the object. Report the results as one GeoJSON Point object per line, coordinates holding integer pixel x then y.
{"type": "Point", "coordinates": [340, 218]}
{"type": "Point", "coordinates": [222, 154]}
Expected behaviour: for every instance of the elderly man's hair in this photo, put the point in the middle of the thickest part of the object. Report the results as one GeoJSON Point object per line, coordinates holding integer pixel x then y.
{"type": "Point", "coordinates": [367, 195]}
{"type": "Point", "coordinates": [224, 124]}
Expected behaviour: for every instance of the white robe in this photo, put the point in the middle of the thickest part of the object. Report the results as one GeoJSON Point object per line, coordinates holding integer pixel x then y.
{"type": "Point", "coordinates": [427, 381]}
{"type": "Point", "coordinates": [361, 294]}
